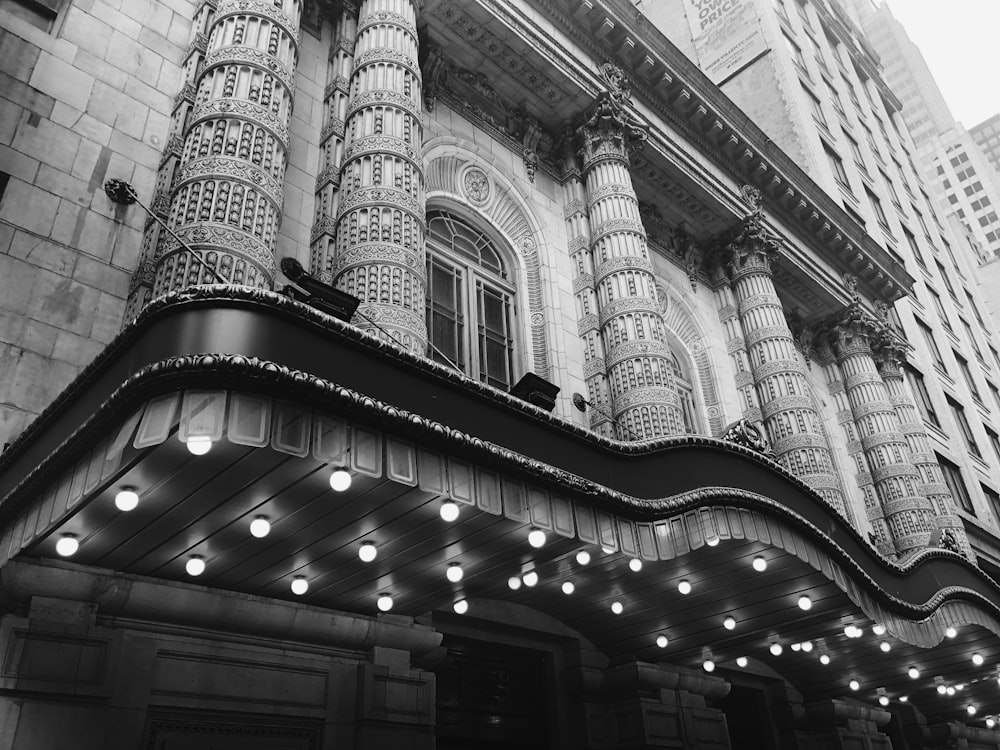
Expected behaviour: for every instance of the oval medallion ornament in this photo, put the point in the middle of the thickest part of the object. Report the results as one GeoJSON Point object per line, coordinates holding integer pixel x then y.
{"type": "Point", "coordinates": [477, 185]}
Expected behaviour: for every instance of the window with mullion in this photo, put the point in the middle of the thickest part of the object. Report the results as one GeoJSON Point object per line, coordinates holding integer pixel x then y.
{"type": "Point", "coordinates": [956, 485]}
{"type": "Point", "coordinates": [496, 345]}
{"type": "Point", "coordinates": [445, 317]}
{"type": "Point", "coordinates": [964, 427]}
{"type": "Point", "coordinates": [923, 398]}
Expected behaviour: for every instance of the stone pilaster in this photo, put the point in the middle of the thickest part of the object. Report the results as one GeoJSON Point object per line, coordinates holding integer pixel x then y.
{"type": "Point", "coordinates": [644, 402]}
{"type": "Point", "coordinates": [736, 346]}
{"type": "Point", "coordinates": [786, 406]}
{"type": "Point", "coordinates": [227, 197]}
{"type": "Point", "coordinates": [336, 98]}
{"type": "Point", "coordinates": [906, 511]}
{"type": "Point", "coordinates": [889, 357]}
{"type": "Point", "coordinates": [380, 219]}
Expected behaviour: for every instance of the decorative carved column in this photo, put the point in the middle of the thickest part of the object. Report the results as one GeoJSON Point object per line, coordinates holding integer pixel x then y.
{"type": "Point", "coordinates": [228, 193]}
{"type": "Point", "coordinates": [380, 220]}
{"type": "Point", "coordinates": [336, 98]}
{"type": "Point", "coordinates": [786, 407]}
{"type": "Point", "coordinates": [644, 403]}
{"type": "Point", "coordinates": [890, 354]}
{"type": "Point", "coordinates": [906, 511]}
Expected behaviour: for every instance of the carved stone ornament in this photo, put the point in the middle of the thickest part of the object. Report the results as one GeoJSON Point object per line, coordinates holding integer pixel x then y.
{"type": "Point", "coordinates": [745, 433]}
{"type": "Point", "coordinates": [692, 254]}
{"type": "Point", "coordinates": [803, 334]}
{"type": "Point", "coordinates": [753, 198]}
{"type": "Point", "coordinates": [851, 285]}
{"type": "Point", "coordinates": [476, 185]}
{"type": "Point", "coordinates": [609, 132]}
{"type": "Point", "coordinates": [618, 85]}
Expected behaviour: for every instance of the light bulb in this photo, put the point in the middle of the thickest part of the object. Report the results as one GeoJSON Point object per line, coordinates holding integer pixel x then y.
{"type": "Point", "coordinates": [742, 661]}
{"type": "Point", "coordinates": [977, 659]}
{"type": "Point", "coordinates": [461, 607]}
{"type": "Point", "coordinates": [883, 700]}
{"type": "Point", "coordinates": [635, 564]}
{"type": "Point", "coordinates": [340, 480]}
{"type": "Point", "coordinates": [950, 632]}
{"type": "Point", "coordinates": [300, 585]}
{"type": "Point", "coordinates": [514, 583]}
{"type": "Point", "coordinates": [662, 641]}
{"type": "Point", "coordinates": [448, 511]}
{"type": "Point", "coordinates": [805, 603]}
{"type": "Point", "coordinates": [990, 723]}
{"type": "Point", "coordinates": [913, 672]}
{"type": "Point", "coordinates": [854, 685]}
{"type": "Point", "coordinates": [536, 538]}
{"type": "Point", "coordinates": [949, 690]}
{"type": "Point", "coordinates": [796, 647]}
{"type": "Point", "coordinates": [67, 545]}
{"type": "Point", "coordinates": [776, 649]}
{"type": "Point", "coordinates": [708, 665]}
{"type": "Point", "coordinates": [971, 710]}
{"type": "Point", "coordinates": [712, 541]}
{"type": "Point", "coordinates": [807, 646]}
{"type": "Point", "coordinates": [127, 499]}
{"type": "Point", "coordinates": [941, 689]}
{"type": "Point", "coordinates": [904, 698]}
{"type": "Point", "coordinates": [530, 578]}
{"type": "Point", "coordinates": [878, 629]}
{"type": "Point", "coordinates": [729, 623]}
{"type": "Point", "coordinates": [195, 566]}
{"type": "Point", "coordinates": [607, 550]}
{"type": "Point", "coordinates": [759, 564]}
{"type": "Point", "coordinates": [260, 527]}
{"type": "Point", "coordinates": [384, 603]}
{"type": "Point", "coordinates": [885, 646]}
{"type": "Point", "coordinates": [684, 587]}
{"type": "Point", "coordinates": [617, 607]}
{"type": "Point", "coordinates": [454, 573]}
{"type": "Point", "coordinates": [583, 557]}
{"type": "Point", "coordinates": [568, 587]}
{"type": "Point", "coordinates": [824, 659]}
{"type": "Point", "coordinates": [367, 552]}
{"type": "Point", "coordinates": [199, 445]}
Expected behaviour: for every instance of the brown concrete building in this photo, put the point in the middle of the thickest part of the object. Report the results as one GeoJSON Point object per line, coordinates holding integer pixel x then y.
{"type": "Point", "coordinates": [475, 374]}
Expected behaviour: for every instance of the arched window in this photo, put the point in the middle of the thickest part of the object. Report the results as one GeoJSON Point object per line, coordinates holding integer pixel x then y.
{"type": "Point", "coordinates": [470, 301]}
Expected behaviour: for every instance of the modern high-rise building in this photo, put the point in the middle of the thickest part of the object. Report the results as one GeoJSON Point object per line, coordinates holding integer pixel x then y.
{"type": "Point", "coordinates": [509, 373]}
{"type": "Point", "coordinates": [987, 136]}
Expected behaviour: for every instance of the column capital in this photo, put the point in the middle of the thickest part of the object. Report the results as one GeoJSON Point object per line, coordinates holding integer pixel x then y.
{"type": "Point", "coordinates": [853, 332]}
{"type": "Point", "coordinates": [750, 247]}
{"type": "Point", "coordinates": [890, 353]}
{"type": "Point", "coordinates": [608, 131]}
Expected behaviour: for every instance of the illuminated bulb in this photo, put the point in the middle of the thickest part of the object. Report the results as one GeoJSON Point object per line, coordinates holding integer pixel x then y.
{"type": "Point", "coordinates": [949, 690]}
{"type": "Point", "coordinates": [514, 583]}
{"type": "Point", "coordinates": [384, 603]}
{"type": "Point", "coordinates": [742, 661]}
{"type": "Point", "coordinates": [530, 578]}
{"type": "Point", "coordinates": [776, 649]}
{"type": "Point", "coordinates": [807, 646]}
{"type": "Point", "coordinates": [583, 557]}
{"type": "Point", "coordinates": [942, 689]}
{"type": "Point", "coordinates": [759, 564]}
{"type": "Point", "coordinates": [729, 623]}
{"type": "Point", "coordinates": [662, 641]}
{"type": "Point", "coordinates": [367, 552]}
{"type": "Point", "coordinates": [461, 607]}
{"type": "Point", "coordinates": [977, 659]}
{"type": "Point", "coordinates": [904, 698]}
{"type": "Point", "coordinates": [708, 665]}
{"type": "Point", "coordinates": [883, 700]}
{"type": "Point", "coordinates": [824, 659]}
{"type": "Point", "coordinates": [195, 566]}
{"type": "Point", "coordinates": [885, 646]}
{"type": "Point", "coordinates": [300, 585]}
{"type": "Point", "coordinates": [617, 608]}
{"type": "Point", "coordinates": [607, 550]}
{"type": "Point", "coordinates": [536, 538]}
{"type": "Point", "coordinates": [127, 499]}
{"type": "Point", "coordinates": [199, 445]}
{"type": "Point", "coordinates": [454, 573]}
{"type": "Point", "coordinates": [971, 710]}
{"type": "Point", "coordinates": [449, 511]}
{"type": "Point", "coordinates": [854, 685]}
{"type": "Point", "coordinates": [568, 587]}
{"type": "Point", "coordinates": [878, 629]}
{"type": "Point", "coordinates": [796, 647]}
{"type": "Point", "coordinates": [340, 480]}
{"type": "Point", "coordinates": [950, 632]}
{"type": "Point", "coordinates": [260, 527]}
{"type": "Point", "coordinates": [635, 564]}
{"type": "Point", "coordinates": [712, 541]}
{"type": "Point", "coordinates": [67, 545]}
{"type": "Point", "coordinates": [960, 686]}
{"type": "Point", "coordinates": [913, 672]}
{"type": "Point", "coordinates": [990, 723]}
{"type": "Point", "coordinates": [684, 587]}
{"type": "Point", "coordinates": [805, 603]}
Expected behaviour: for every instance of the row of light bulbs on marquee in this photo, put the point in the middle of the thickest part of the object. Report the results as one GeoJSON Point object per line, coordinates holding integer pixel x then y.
{"type": "Point", "coordinates": [127, 499]}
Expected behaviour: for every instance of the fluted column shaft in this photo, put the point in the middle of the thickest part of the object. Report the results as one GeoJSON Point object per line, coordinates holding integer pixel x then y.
{"type": "Point", "coordinates": [896, 480]}
{"type": "Point", "coordinates": [644, 401]}
{"type": "Point", "coordinates": [380, 255]}
{"type": "Point", "coordinates": [786, 406]}
{"type": "Point", "coordinates": [227, 197]}
{"type": "Point", "coordinates": [932, 484]}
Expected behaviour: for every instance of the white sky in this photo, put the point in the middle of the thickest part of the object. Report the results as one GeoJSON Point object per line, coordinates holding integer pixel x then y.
{"type": "Point", "coordinates": [960, 39]}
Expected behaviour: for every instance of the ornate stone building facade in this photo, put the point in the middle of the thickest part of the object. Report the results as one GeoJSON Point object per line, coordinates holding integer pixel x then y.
{"type": "Point", "coordinates": [586, 425]}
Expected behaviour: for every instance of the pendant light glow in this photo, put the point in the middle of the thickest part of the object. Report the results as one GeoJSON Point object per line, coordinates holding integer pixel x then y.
{"type": "Point", "coordinates": [299, 585]}
{"type": "Point", "coordinates": [384, 603]}
{"type": "Point", "coordinates": [824, 659]}
{"type": "Point", "coordinates": [514, 583]}
{"type": "Point", "coordinates": [455, 573]}
{"type": "Point", "coordinates": [729, 623]}
{"type": "Point", "coordinates": [913, 672]}
{"type": "Point", "coordinates": [971, 710]}
{"type": "Point", "coordinates": [878, 629]}
{"type": "Point", "coordinates": [536, 538]}
{"type": "Point", "coordinates": [260, 527]}
{"type": "Point", "coordinates": [708, 665]}
{"type": "Point", "coordinates": [617, 607]}
{"type": "Point", "coordinates": [885, 647]}
{"type": "Point", "coordinates": [448, 511]}
{"type": "Point", "coordinates": [195, 565]}
{"type": "Point", "coordinates": [583, 557]}
{"type": "Point", "coordinates": [199, 445]}
{"type": "Point", "coordinates": [662, 641]}
{"type": "Point", "coordinates": [977, 659]}
{"type": "Point", "coordinates": [742, 661]}
{"type": "Point", "coordinates": [805, 603]}
{"type": "Point", "coordinates": [950, 632]}
{"type": "Point", "coordinates": [759, 564]}
{"type": "Point", "coordinates": [684, 587]}
{"type": "Point", "coordinates": [127, 499]}
{"type": "Point", "coordinates": [67, 545]}
{"type": "Point", "coordinates": [367, 552]}
{"type": "Point", "coordinates": [883, 700]}
{"type": "Point", "coordinates": [530, 578]}
{"type": "Point", "coordinates": [635, 564]}
{"type": "Point", "coordinates": [854, 685]}
{"type": "Point", "coordinates": [461, 607]}
{"type": "Point", "coordinates": [775, 649]}
{"type": "Point", "coordinates": [568, 587]}
{"type": "Point", "coordinates": [340, 479]}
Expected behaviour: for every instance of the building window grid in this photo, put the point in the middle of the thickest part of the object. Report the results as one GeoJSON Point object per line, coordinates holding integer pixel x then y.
{"type": "Point", "coordinates": [932, 346]}
{"type": "Point", "coordinates": [963, 365]}
{"type": "Point", "coordinates": [956, 485]}
{"type": "Point", "coordinates": [923, 397]}
{"type": "Point", "coordinates": [939, 306]}
{"type": "Point", "coordinates": [958, 412]}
